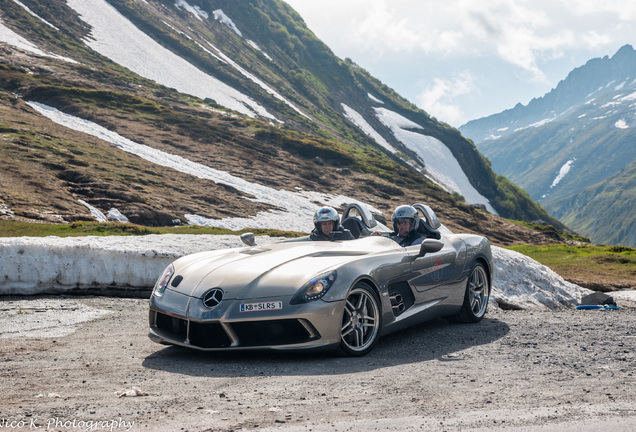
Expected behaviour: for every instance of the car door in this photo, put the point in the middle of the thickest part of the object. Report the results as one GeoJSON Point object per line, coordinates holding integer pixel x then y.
{"type": "Point", "coordinates": [434, 276]}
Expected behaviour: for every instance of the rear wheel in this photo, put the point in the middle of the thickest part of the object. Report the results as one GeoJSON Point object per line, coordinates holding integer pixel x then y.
{"type": "Point", "coordinates": [476, 296]}
{"type": "Point", "coordinates": [360, 327]}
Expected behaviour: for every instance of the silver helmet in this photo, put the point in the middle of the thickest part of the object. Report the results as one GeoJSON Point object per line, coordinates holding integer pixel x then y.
{"type": "Point", "coordinates": [326, 214]}
{"type": "Point", "coordinates": [406, 212]}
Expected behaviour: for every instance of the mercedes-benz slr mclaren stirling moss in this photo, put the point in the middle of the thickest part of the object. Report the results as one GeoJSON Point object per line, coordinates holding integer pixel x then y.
{"type": "Point", "coordinates": [302, 294]}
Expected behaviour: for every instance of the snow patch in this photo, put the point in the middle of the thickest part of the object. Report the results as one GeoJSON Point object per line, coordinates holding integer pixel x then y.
{"type": "Point", "coordinates": [5, 210]}
{"type": "Point", "coordinates": [96, 213]}
{"type": "Point", "coordinates": [254, 79]}
{"type": "Point", "coordinates": [257, 48]}
{"type": "Point", "coordinates": [176, 31]}
{"type": "Point", "coordinates": [12, 38]}
{"type": "Point", "coordinates": [629, 97]}
{"type": "Point", "coordinates": [115, 37]}
{"type": "Point", "coordinates": [354, 117]}
{"type": "Point", "coordinates": [438, 159]}
{"type": "Point", "coordinates": [115, 214]}
{"type": "Point", "coordinates": [537, 124]}
{"type": "Point", "coordinates": [26, 8]}
{"type": "Point", "coordinates": [219, 15]}
{"type": "Point", "coordinates": [562, 173]}
{"type": "Point", "coordinates": [54, 264]}
{"type": "Point", "coordinates": [621, 124]}
{"type": "Point", "coordinates": [374, 99]}
{"type": "Point", "coordinates": [194, 10]}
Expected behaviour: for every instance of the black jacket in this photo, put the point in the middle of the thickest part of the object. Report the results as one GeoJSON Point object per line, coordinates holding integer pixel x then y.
{"type": "Point", "coordinates": [412, 239]}
{"type": "Point", "coordinates": [338, 234]}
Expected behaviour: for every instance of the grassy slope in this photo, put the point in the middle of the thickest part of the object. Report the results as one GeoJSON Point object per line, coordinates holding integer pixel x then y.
{"type": "Point", "coordinates": [598, 267]}
{"type": "Point", "coordinates": [598, 207]}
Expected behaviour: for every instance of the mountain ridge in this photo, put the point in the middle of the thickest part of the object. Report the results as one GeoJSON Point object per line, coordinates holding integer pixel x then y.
{"type": "Point", "coordinates": [576, 139]}
{"type": "Point", "coordinates": [299, 147]}
{"type": "Point", "coordinates": [569, 93]}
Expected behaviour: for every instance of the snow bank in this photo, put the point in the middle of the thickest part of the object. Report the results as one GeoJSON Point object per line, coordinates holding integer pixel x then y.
{"type": "Point", "coordinates": [61, 265]}
{"type": "Point", "coordinates": [520, 281]}
{"type": "Point", "coordinates": [56, 265]}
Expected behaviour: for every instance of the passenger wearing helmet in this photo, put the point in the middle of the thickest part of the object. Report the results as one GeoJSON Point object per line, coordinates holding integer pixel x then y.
{"type": "Point", "coordinates": [327, 226]}
{"type": "Point", "coordinates": [405, 222]}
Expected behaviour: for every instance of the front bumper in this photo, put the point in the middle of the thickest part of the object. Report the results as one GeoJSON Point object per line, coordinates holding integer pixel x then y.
{"type": "Point", "coordinates": [312, 325]}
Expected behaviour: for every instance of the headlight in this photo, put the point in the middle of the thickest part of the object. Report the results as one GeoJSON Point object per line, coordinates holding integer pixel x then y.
{"type": "Point", "coordinates": [163, 280]}
{"type": "Point", "coordinates": [315, 288]}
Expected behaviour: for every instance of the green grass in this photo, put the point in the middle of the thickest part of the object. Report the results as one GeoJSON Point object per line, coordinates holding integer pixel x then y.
{"type": "Point", "coordinates": [77, 229]}
{"type": "Point", "coordinates": [552, 254]}
{"type": "Point", "coordinates": [609, 265]}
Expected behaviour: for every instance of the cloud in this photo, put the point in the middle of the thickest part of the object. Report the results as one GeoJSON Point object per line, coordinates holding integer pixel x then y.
{"type": "Point", "coordinates": [522, 33]}
{"type": "Point", "coordinates": [438, 99]}
{"type": "Point", "coordinates": [515, 49]}
{"type": "Point", "coordinates": [623, 10]}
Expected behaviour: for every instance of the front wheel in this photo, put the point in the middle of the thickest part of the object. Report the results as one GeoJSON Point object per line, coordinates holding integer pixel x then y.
{"type": "Point", "coordinates": [476, 296]}
{"type": "Point", "coordinates": [360, 327]}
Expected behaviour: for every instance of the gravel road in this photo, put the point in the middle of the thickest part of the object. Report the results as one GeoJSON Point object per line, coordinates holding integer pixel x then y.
{"type": "Point", "coordinates": [514, 371]}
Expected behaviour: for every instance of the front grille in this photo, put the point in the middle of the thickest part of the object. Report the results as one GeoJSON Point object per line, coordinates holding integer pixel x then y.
{"type": "Point", "coordinates": [279, 332]}
{"type": "Point", "coordinates": [176, 327]}
{"type": "Point", "coordinates": [249, 333]}
{"type": "Point", "coordinates": [208, 335]}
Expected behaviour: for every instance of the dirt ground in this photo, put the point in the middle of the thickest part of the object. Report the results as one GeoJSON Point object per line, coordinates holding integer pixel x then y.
{"type": "Point", "coordinates": [86, 363]}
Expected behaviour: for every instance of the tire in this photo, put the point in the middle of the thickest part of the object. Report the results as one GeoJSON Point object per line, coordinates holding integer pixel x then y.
{"type": "Point", "coordinates": [361, 320]}
{"type": "Point", "coordinates": [476, 296]}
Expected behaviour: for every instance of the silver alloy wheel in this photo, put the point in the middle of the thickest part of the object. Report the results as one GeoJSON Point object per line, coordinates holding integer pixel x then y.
{"type": "Point", "coordinates": [361, 321]}
{"type": "Point", "coordinates": [478, 291]}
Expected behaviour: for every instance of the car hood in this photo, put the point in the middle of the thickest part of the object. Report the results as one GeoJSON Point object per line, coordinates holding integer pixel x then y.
{"type": "Point", "coordinates": [268, 271]}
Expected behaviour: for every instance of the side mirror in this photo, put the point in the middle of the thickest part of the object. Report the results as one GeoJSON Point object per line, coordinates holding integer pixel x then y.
{"type": "Point", "coordinates": [248, 239]}
{"type": "Point", "coordinates": [430, 245]}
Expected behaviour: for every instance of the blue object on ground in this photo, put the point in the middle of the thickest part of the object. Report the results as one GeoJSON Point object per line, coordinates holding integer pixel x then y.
{"type": "Point", "coordinates": [596, 307]}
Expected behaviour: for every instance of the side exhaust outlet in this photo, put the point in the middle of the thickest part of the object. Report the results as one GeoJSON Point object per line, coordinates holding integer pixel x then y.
{"type": "Point", "coordinates": [397, 302]}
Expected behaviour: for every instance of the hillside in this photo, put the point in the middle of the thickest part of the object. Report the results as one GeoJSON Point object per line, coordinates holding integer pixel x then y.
{"type": "Point", "coordinates": [572, 150]}
{"type": "Point", "coordinates": [598, 207]}
{"type": "Point", "coordinates": [244, 89]}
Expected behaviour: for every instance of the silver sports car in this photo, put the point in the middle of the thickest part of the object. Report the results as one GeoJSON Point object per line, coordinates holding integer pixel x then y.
{"type": "Point", "coordinates": [301, 294]}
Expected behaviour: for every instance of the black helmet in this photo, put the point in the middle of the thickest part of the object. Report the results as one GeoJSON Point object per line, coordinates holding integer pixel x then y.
{"type": "Point", "coordinates": [326, 214]}
{"type": "Point", "coordinates": [406, 212]}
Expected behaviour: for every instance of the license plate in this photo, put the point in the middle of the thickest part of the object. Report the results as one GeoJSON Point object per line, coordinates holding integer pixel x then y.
{"type": "Point", "coordinates": [264, 306]}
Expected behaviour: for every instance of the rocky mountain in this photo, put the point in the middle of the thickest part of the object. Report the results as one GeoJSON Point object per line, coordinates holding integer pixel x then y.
{"type": "Point", "coordinates": [215, 111]}
{"type": "Point", "coordinates": [573, 149]}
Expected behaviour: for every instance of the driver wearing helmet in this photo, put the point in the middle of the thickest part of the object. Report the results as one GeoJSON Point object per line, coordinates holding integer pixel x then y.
{"type": "Point", "coordinates": [327, 226]}
{"type": "Point", "coordinates": [405, 222]}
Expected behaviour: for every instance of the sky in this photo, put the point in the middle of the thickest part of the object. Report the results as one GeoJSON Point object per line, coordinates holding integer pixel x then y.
{"type": "Point", "coordinates": [461, 60]}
